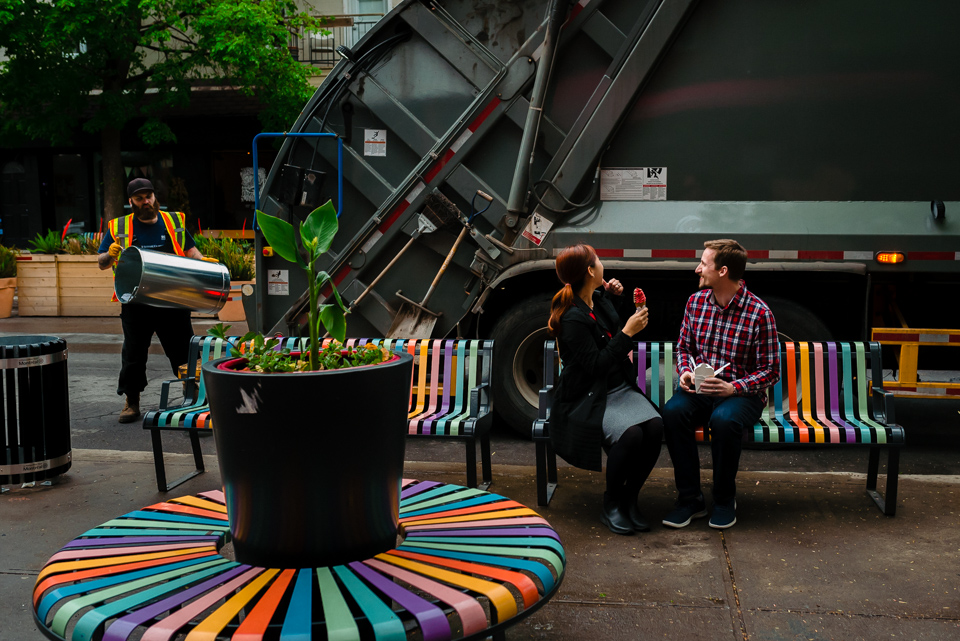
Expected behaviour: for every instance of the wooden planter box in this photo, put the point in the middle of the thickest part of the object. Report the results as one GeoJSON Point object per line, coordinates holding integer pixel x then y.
{"type": "Point", "coordinates": [37, 285]}
{"type": "Point", "coordinates": [63, 285]}
{"type": "Point", "coordinates": [84, 290]}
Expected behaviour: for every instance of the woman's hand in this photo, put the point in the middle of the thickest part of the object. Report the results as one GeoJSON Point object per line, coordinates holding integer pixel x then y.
{"type": "Point", "coordinates": [636, 322]}
{"type": "Point", "coordinates": [613, 286]}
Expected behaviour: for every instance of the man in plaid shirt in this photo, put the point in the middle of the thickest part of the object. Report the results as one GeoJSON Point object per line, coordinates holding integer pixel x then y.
{"type": "Point", "coordinates": [724, 325]}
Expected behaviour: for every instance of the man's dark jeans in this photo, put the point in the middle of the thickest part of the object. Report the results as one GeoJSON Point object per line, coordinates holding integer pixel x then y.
{"type": "Point", "coordinates": [140, 322]}
{"type": "Point", "coordinates": [726, 418]}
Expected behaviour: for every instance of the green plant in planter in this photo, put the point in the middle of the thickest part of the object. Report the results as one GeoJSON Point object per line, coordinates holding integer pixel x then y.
{"type": "Point", "coordinates": [237, 256]}
{"type": "Point", "coordinates": [8, 262]}
{"type": "Point", "coordinates": [52, 243]}
{"type": "Point", "coordinates": [315, 237]}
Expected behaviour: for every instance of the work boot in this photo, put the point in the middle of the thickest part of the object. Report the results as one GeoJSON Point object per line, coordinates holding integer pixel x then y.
{"type": "Point", "coordinates": [131, 409]}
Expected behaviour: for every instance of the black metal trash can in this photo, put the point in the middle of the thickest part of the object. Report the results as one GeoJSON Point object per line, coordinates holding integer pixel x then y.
{"type": "Point", "coordinates": [34, 409]}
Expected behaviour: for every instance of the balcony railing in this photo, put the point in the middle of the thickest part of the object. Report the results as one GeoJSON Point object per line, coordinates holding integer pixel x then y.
{"type": "Point", "coordinates": [319, 47]}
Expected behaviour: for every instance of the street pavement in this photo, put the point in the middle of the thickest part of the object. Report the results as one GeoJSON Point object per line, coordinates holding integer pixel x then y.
{"type": "Point", "coordinates": [810, 557]}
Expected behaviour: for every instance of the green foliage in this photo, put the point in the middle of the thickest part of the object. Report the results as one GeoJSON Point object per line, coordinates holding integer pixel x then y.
{"type": "Point", "coordinates": [266, 355]}
{"type": "Point", "coordinates": [8, 262]}
{"type": "Point", "coordinates": [236, 255]}
{"type": "Point", "coordinates": [52, 243]}
{"type": "Point", "coordinates": [91, 62]}
{"type": "Point", "coordinates": [79, 245]}
{"type": "Point", "coordinates": [315, 239]}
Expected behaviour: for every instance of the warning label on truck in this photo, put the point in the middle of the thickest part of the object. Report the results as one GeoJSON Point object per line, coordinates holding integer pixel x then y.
{"type": "Point", "coordinates": [639, 183]}
{"type": "Point", "coordinates": [536, 229]}
{"type": "Point", "coordinates": [374, 142]}
{"type": "Point", "coordinates": [278, 282]}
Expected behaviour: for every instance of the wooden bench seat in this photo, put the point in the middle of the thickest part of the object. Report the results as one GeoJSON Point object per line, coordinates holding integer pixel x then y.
{"type": "Point", "coordinates": [821, 399]}
{"type": "Point", "coordinates": [467, 564]}
{"type": "Point", "coordinates": [450, 399]}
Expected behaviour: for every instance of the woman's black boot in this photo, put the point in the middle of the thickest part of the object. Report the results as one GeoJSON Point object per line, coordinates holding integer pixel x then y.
{"type": "Point", "coordinates": [613, 518]}
{"type": "Point", "coordinates": [638, 521]}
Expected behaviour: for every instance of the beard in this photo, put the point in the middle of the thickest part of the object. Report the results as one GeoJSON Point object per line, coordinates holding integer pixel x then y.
{"type": "Point", "coordinates": [145, 211]}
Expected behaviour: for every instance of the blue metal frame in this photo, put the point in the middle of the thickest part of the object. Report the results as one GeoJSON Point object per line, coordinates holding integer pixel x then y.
{"type": "Point", "coordinates": [285, 134]}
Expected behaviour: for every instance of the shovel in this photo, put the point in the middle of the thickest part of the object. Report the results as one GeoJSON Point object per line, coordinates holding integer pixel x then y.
{"type": "Point", "coordinates": [414, 320]}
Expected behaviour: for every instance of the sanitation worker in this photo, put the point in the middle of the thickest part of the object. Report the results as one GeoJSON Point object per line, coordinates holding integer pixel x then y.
{"type": "Point", "coordinates": [148, 228]}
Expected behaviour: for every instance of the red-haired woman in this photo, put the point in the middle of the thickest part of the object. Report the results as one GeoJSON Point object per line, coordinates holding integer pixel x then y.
{"type": "Point", "coordinates": [598, 404]}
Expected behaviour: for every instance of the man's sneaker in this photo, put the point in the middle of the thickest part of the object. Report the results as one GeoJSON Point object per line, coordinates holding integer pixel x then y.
{"type": "Point", "coordinates": [683, 513]}
{"type": "Point", "coordinates": [723, 516]}
{"type": "Point", "coordinates": [131, 409]}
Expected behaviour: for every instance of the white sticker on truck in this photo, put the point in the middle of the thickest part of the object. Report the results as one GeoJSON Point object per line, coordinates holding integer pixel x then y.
{"type": "Point", "coordinates": [638, 183]}
{"type": "Point", "coordinates": [536, 229]}
{"type": "Point", "coordinates": [278, 282]}
{"type": "Point", "coordinates": [375, 142]}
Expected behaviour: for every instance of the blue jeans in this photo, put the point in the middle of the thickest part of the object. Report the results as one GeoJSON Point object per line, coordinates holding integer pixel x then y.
{"type": "Point", "coordinates": [726, 418]}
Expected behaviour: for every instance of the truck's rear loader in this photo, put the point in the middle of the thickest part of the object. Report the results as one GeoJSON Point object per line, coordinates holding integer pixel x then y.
{"type": "Point", "coordinates": [819, 134]}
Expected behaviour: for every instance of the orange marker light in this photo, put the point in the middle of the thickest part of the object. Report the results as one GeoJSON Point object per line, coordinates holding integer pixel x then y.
{"type": "Point", "coordinates": [268, 252]}
{"type": "Point", "coordinates": [890, 258]}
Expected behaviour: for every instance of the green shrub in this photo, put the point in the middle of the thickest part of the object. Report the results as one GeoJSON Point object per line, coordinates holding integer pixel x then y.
{"type": "Point", "coordinates": [236, 255]}
{"type": "Point", "coordinates": [52, 243]}
{"type": "Point", "coordinates": [8, 262]}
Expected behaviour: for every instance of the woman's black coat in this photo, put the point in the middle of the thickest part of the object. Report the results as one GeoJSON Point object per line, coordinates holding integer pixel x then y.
{"type": "Point", "coordinates": [589, 358]}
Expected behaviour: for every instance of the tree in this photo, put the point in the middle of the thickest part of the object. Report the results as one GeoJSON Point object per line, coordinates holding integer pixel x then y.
{"type": "Point", "coordinates": [101, 64]}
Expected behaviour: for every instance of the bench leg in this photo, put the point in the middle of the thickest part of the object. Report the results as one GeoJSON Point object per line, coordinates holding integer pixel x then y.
{"type": "Point", "coordinates": [158, 464]}
{"type": "Point", "coordinates": [485, 465]}
{"type": "Point", "coordinates": [472, 462]}
{"type": "Point", "coordinates": [546, 473]}
{"type": "Point", "coordinates": [887, 503]}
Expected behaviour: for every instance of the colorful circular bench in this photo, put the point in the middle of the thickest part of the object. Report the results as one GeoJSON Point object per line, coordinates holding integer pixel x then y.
{"type": "Point", "coordinates": [470, 564]}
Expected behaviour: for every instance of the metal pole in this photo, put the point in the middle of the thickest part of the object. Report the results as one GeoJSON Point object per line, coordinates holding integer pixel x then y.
{"type": "Point", "coordinates": [521, 173]}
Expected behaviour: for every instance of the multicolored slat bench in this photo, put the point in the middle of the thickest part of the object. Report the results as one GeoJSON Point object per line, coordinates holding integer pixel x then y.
{"type": "Point", "coordinates": [469, 565]}
{"type": "Point", "coordinates": [449, 399]}
{"type": "Point", "coordinates": [193, 414]}
{"type": "Point", "coordinates": [826, 404]}
{"type": "Point", "coordinates": [450, 396]}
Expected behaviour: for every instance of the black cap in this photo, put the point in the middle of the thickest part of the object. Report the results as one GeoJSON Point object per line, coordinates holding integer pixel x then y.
{"type": "Point", "coordinates": [138, 184]}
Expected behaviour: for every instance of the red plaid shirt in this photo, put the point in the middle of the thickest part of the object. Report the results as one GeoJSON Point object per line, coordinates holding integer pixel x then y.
{"type": "Point", "coordinates": [743, 334]}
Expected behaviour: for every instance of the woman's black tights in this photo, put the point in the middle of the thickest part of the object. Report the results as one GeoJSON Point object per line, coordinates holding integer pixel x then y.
{"type": "Point", "coordinates": [632, 458]}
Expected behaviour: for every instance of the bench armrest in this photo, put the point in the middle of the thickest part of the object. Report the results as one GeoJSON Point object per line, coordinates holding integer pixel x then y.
{"type": "Point", "coordinates": [480, 400]}
{"type": "Point", "coordinates": [883, 410]}
{"type": "Point", "coordinates": [546, 402]}
{"type": "Point", "coordinates": [165, 392]}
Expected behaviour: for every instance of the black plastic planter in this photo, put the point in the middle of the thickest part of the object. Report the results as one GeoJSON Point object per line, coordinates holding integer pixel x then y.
{"type": "Point", "coordinates": [311, 462]}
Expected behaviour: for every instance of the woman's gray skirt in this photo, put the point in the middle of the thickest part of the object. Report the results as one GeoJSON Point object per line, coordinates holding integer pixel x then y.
{"type": "Point", "coordinates": [625, 408]}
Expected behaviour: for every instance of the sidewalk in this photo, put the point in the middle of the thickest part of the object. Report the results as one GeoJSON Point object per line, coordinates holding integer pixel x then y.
{"type": "Point", "coordinates": [811, 557]}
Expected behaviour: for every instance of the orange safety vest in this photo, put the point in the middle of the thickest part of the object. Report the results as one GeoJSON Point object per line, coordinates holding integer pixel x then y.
{"type": "Point", "coordinates": [122, 231]}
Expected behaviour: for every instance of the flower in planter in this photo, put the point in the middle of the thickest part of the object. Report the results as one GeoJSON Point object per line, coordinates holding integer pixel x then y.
{"type": "Point", "coordinates": [315, 237]}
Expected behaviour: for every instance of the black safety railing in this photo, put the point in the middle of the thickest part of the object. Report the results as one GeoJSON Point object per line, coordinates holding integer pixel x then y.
{"type": "Point", "coordinates": [319, 46]}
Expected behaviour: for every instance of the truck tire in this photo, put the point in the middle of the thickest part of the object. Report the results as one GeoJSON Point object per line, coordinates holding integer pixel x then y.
{"type": "Point", "coordinates": [517, 375]}
{"type": "Point", "coordinates": [797, 323]}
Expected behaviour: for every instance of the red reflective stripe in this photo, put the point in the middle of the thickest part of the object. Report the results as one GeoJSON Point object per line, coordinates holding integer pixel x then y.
{"type": "Point", "coordinates": [610, 253]}
{"type": "Point", "coordinates": [437, 167]}
{"type": "Point", "coordinates": [387, 222]}
{"type": "Point", "coordinates": [931, 255]}
{"type": "Point", "coordinates": [896, 337]}
{"type": "Point", "coordinates": [484, 114]}
{"type": "Point", "coordinates": [673, 253]}
{"type": "Point", "coordinates": [763, 253]}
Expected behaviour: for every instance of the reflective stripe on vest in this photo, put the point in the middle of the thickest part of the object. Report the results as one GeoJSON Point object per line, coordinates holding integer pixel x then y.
{"type": "Point", "coordinates": [122, 231]}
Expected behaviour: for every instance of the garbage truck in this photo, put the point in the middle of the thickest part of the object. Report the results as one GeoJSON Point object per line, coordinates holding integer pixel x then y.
{"type": "Point", "coordinates": [490, 134]}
